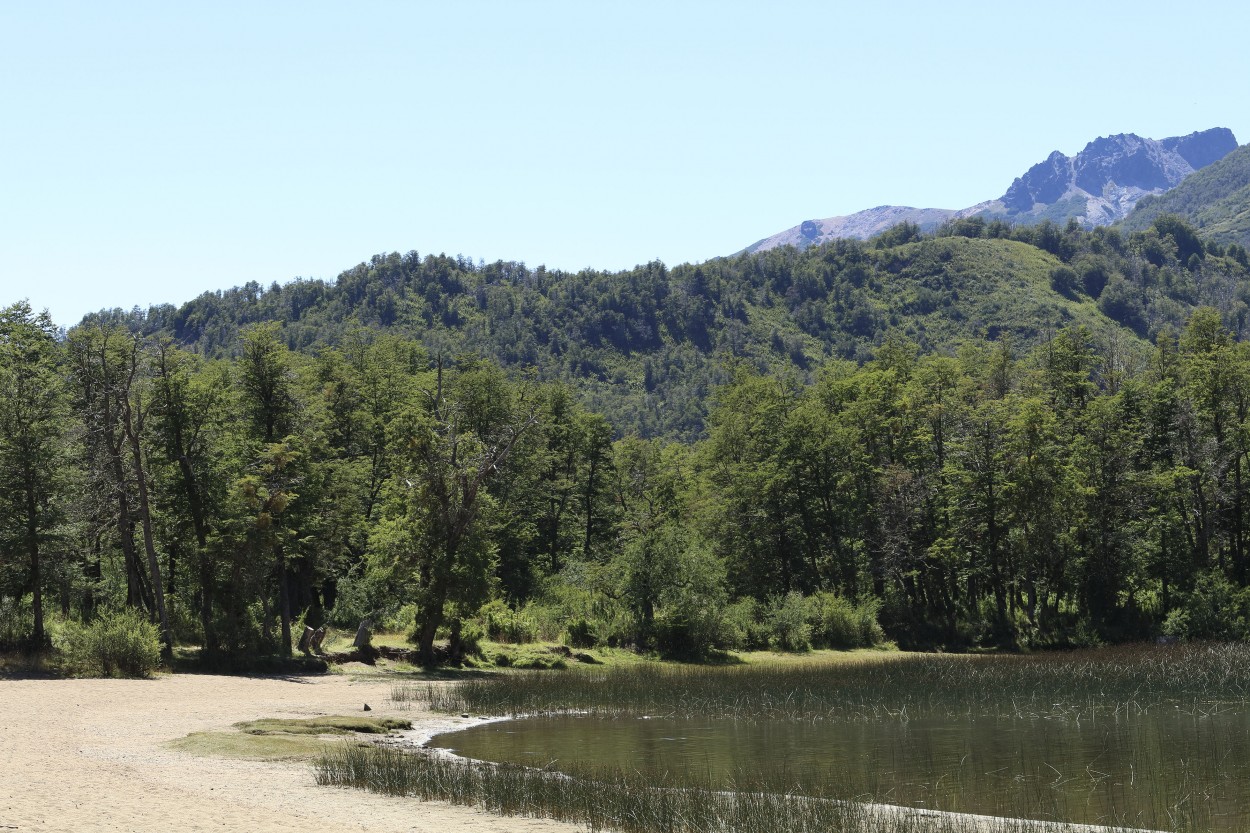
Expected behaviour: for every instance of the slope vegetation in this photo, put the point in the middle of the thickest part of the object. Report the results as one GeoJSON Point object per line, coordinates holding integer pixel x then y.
{"type": "Point", "coordinates": [1216, 200]}
{"type": "Point", "coordinates": [646, 346]}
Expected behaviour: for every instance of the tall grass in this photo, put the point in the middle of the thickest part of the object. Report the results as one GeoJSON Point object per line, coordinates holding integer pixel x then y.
{"type": "Point", "coordinates": [1121, 680]}
{"type": "Point", "coordinates": [631, 802]}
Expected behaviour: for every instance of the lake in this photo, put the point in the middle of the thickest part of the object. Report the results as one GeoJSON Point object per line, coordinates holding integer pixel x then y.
{"type": "Point", "coordinates": [1166, 767]}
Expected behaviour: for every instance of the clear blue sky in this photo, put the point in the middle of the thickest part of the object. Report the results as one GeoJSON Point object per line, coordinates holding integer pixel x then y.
{"type": "Point", "coordinates": [151, 151]}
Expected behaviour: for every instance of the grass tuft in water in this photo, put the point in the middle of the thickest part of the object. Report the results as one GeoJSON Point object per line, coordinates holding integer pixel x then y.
{"type": "Point", "coordinates": [630, 802]}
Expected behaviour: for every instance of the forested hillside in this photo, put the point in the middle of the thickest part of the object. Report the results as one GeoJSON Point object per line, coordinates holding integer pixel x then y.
{"type": "Point", "coordinates": [1215, 200]}
{"type": "Point", "coordinates": [646, 346]}
{"type": "Point", "coordinates": [988, 436]}
{"type": "Point", "coordinates": [1053, 495]}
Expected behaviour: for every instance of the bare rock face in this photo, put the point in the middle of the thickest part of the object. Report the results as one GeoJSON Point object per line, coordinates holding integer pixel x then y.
{"type": "Point", "coordinates": [1099, 185]}
{"type": "Point", "coordinates": [1124, 167]}
{"type": "Point", "coordinates": [1044, 183]}
{"type": "Point", "coordinates": [1204, 147]}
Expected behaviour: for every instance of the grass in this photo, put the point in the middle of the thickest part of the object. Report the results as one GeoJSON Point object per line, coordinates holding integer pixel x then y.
{"type": "Point", "coordinates": [323, 726]}
{"type": "Point", "coordinates": [631, 802]}
{"type": "Point", "coordinates": [280, 739]}
{"type": "Point", "coordinates": [869, 686]}
{"type": "Point", "coordinates": [240, 746]}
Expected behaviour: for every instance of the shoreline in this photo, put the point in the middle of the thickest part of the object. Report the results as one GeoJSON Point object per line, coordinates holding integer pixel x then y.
{"type": "Point", "coordinates": [991, 824]}
{"type": "Point", "coordinates": [94, 755]}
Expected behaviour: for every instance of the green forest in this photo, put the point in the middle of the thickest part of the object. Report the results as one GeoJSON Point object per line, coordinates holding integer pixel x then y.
{"type": "Point", "coordinates": [987, 437]}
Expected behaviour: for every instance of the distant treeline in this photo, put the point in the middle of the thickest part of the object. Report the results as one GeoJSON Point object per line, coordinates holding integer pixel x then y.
{"type": "Point", "coordinates": [1065, 493]}
{"type": "Point", "coordinates": [646, 346]}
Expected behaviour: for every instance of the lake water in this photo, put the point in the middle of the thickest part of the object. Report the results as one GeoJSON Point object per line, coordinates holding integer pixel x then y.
{"type": "Point", "coordinates": [1169, 768]}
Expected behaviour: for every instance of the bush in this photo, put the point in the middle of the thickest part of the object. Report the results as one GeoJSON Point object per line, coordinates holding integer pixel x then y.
{"type": "Point", "coordinates": [120, 642]}
{"type": "Point", "coordinates": [1064, 281]}
{"type": "Point", "coordinates": [787, 623]}
{"type": "Point", "coordinates": [505, 625]}
{"type": "Point", "coordinates": [741, 628]}
{"type": "Point", "coordinates": [839, 623]}
{"type": "Point", "coordinates": [581, 634]}
{"type": "Point", "coordinates": [242, 632]}
{"type": "Point", "coordinates": [15, 622]}
{"type": "Point", "coordinates": [1214, 609]}
{"type": "Point", "coordinates": [471, 636]}
{"type": "Point", "coordinates": [184, 621]}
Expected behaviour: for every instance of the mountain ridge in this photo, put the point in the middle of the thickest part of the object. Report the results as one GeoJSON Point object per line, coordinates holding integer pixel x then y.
{"type": "Point", "coordinates": [1100, 185]}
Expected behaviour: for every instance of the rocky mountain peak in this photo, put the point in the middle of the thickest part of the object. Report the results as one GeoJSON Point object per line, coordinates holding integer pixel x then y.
{"type": "Point", "coordinates": [1203, 147]}
{"type": "Point", "coordinates": [1120, 168]}
{"type": "Point", "coordinates": [1098, 186]}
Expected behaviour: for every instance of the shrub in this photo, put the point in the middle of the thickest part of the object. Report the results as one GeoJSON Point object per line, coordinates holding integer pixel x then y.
{"type": "Point", "coordinates": [184, 621]}
{"type": "Point", "coordinates": [839, 623]}
{"type": "Point", "coordinates": [1214, 609]}
{"type": "Point", "coordinates": [119, 642]}
{"type": "Point", "coordinates": [787, 623]}
{"type": "Point", "coordinates": [1064, 281]}
{"type": "Point", "coordinates": [581, 634]}
{"type": "Point", "coordinates": [15, 619]}
{"type": "Point", "coordinates": [403, 620]}
{"type": "Point", "coordinates": [503, 624]}
{"type": "Point", "coordinates": [471, 636]}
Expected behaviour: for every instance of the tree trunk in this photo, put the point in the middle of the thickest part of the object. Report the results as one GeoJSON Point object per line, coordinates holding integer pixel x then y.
{"type": "Point", "coordinates": [425, 640]}
{"type": "Point", "coordinates": [284, 604]}
{"type": "Point", "coordinates": [149, 538]}
{"type": "Point", "coordinates": [38, 637]}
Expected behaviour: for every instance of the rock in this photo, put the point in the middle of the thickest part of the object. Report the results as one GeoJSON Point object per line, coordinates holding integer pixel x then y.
{"type": "Point", "coordinates": [367, 708]}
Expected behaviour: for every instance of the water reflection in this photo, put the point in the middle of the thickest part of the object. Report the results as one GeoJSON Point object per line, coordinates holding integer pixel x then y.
{"type": "Point", "coordinates": [1168, 768]}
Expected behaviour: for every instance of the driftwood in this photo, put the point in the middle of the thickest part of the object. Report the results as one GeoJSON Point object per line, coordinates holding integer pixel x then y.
{"type": "Point", "coordinates": [310, 641]}
{"type": "Point", "coordinates": [305, 641]}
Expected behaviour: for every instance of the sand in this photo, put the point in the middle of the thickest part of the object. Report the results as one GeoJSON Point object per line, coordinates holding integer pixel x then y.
{"type": "Point", "coordinates": [92, 755]}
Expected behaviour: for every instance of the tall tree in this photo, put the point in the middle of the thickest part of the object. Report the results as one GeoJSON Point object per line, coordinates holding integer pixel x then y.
{"type": "Point", "coordinates": [451, 450]}
{"type": "Point", "coordinates": [32, 408]}
{"type": "Point", "coordinates": [271, 404]}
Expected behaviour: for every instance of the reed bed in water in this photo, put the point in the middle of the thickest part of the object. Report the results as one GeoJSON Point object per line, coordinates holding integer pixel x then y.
{"type": "Point", "coordinates": [1102, 681]}
{"type": "Point", "coordinates": [631, 802]}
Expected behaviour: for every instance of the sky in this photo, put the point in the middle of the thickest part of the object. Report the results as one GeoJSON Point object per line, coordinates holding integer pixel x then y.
{"type": "Point", "coordinates": [153, 151]}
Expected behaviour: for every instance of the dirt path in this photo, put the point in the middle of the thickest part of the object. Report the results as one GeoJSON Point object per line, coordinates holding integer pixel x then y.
{"type": "Point", "coordinates": [90, 755]}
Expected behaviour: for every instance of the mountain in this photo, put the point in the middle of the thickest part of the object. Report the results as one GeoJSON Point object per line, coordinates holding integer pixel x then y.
{"type": "Point", "coordinates": [859, 226]}
{"type": "Point", "coordinates": [1215, 200]}
{"type": "Point", "coordinates": [1098, 186]}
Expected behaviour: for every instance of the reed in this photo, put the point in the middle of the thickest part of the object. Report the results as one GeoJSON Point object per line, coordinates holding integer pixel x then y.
{"type": "Point", "coordinates": [630, 802]}
{"type": "Point", "coordinates": [1074, 685]}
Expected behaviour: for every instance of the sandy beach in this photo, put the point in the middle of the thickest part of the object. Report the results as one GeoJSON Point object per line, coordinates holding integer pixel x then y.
{"type": "Point", "coordinates": [93, 755]}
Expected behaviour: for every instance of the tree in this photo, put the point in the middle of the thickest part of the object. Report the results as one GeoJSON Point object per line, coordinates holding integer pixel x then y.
{"type": "Point", "coordinates": [271, 405]}
{"type": "Point", "coordinates": [32, 408]}
{"type": "Point", "coordinates": [114, 397]}
{"type": "Point", "coordinates": [188, 412]}
{"type": "Point", "coordinates": [450, 451]}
